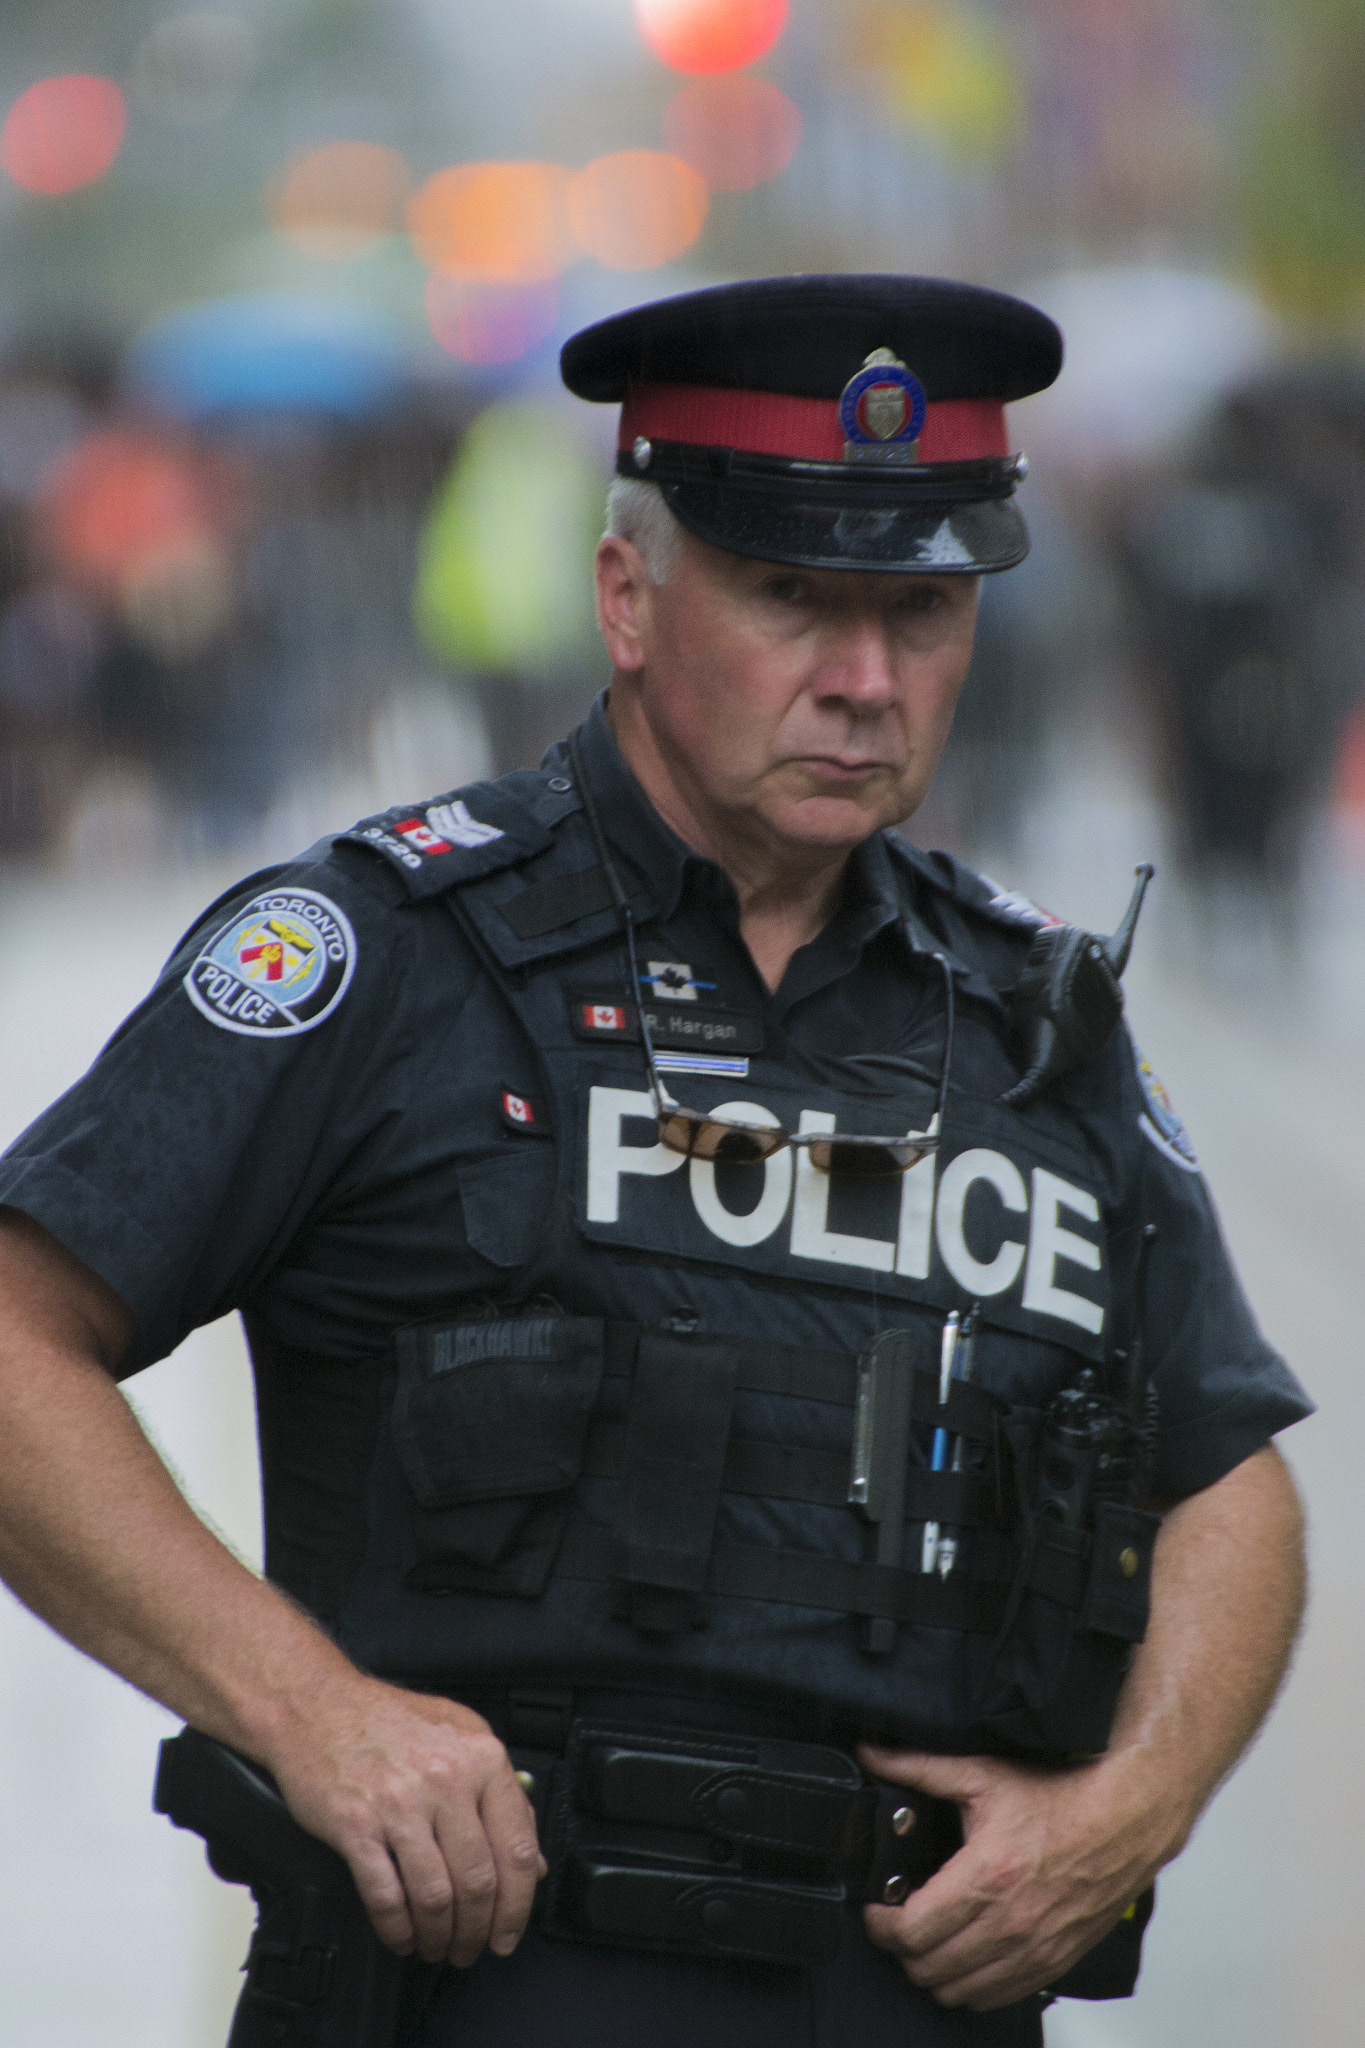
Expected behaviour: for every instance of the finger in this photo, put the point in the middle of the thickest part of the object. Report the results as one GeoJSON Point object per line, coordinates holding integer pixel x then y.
{"type": "Point", "coordinates": [428, 1884]}
{"type": "Point", "coordinates": [383, 1897]}
{"type": "Point", "coordinates": [474, 1873]}
{"type": "Point", "coordinates": [510, 1827]}
{"type": "Point", "coordinates": [943, 1777]}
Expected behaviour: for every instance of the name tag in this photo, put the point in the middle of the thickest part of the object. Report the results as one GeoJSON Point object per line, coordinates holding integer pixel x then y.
{"type": "Point", "coordinates": [685, 1025]}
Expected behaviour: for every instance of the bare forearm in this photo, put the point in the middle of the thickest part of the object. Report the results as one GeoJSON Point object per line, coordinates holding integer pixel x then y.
{"type": "Point", "coordinates": [96, 1539]}
{"type": "Point", "coordinates": [1227, 1597]}
{"type": "Point", "coordinates": [416, 1792]}
{"type": "Point", "coordinates": [1053, 1857]}
{"type": "Point", "coordinates": [94, 1535]}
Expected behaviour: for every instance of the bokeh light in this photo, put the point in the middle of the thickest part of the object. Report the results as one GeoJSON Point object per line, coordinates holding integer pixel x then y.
{"type": "Point", "coordinates": [340, 200]}
{"type": "Point", "coordinates": [507, 222]}
{"type": "Point", "coordinates": [482, 322]}
{"type": "Point", "coordinates": [710, 35]}
{"type": "Point", "coordinates": [945, 70]}
{"type": "Point", "coordinates": [736, 132]}
{"type": "Point", "coordinates": [120, 497]}
{"type": "Point", "coordinates": [144, 523]}
{"type": "Point", "coordinates": [63, 133]}
{"type": "Point", "coordinates": [637, 208]}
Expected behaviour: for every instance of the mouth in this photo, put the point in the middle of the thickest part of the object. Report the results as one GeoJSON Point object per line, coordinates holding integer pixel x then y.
{"type": "Point", "coordinates": [837, 771]}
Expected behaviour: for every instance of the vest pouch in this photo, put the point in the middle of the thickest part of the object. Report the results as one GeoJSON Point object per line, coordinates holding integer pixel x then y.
{"type": "Point", "coordinates": [1049, 1682]}
{"type": "Point", "coordinates": [489, 1423]}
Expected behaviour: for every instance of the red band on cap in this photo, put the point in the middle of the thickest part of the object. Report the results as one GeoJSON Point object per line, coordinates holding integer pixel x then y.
{"type": "Point", "coordinates": [764, 423]}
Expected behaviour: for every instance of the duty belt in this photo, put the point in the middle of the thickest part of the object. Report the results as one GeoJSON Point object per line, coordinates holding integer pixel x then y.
{"type": "Point", "coordinates": [697, 1841]}
{"type": "Point", "coordinates": [700, 1842]}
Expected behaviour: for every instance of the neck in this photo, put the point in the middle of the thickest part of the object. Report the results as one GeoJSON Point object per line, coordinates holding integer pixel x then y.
{"type": "Point", "coordinates": [786, 895]}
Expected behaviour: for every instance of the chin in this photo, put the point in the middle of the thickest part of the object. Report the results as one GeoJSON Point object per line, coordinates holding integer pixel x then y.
{"type": "Point", "coordinates": [832, 822]}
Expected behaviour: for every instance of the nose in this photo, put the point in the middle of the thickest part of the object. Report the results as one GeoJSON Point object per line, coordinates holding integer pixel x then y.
{"type": "Point", "coordinates": [856, 668]}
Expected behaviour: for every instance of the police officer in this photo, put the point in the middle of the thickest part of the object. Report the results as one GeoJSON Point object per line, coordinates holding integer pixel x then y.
{"type": "Point", "coordinates": [723, 1292]}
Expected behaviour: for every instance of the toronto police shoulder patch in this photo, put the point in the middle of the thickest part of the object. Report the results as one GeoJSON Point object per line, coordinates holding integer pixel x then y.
{"type": "Point", "coordinates": [281, 966]}
{"type": "Point", "coordinates": [1159, 1122]}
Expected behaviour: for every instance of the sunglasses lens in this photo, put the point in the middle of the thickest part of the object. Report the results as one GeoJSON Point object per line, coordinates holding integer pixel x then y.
{"type": "Point", "coordinates": [732, 1146]}
{"type": "Point", "coordinates": [868, 1158]}
{"type": "Point", "coordinates": [702, 1137]}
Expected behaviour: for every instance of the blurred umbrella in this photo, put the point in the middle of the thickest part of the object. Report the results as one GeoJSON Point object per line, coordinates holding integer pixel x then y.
{"type": "Point", "coordinates": [269, 354]}
{"type": "Point", "coordinates": [1147, 353]}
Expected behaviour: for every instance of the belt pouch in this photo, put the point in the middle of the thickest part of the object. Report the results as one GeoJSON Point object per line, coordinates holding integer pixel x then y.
{"type": "Point", "coordinates": [677, 1431]}
{"type": "Point", "coordinates": [489, 1424]}
{"type": "Point", "coordinates": [695, 1844]}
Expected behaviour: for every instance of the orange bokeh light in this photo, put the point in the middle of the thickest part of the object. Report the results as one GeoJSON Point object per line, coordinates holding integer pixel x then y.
{"type": "Point", "coordinates": [63, 133]}
{"type": "Point", "coordinates": [637, 209]}
{"type": "Point", "coordinates": [505, 222]}
{"type": "Point", "coordinates": [119, 499]}
{"type": "Point", "coordinates": [710, 35]}
{"type": "Point", "coordinates": [341, 199]}
{"type": "Point", "coordinates": [490, 323]}
{"type": "Point", "coordinates": [736, 131]}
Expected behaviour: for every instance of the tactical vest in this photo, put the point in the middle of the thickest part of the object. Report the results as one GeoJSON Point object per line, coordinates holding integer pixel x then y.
{"type": "Point", "coordinates": [684, 1444]}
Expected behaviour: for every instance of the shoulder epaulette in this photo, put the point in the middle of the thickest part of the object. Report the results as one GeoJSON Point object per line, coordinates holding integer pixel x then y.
{"type": "Point", "coordinates": [470, 832]}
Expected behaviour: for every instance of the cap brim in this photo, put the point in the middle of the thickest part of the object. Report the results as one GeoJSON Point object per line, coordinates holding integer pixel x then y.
{"type": "Point", "coordinates": [972, 539]}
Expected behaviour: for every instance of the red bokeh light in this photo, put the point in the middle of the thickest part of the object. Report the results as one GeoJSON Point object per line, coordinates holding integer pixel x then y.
{"type": "Point", "coordinates": [736, 131]}
{"type": "Point", "coordinates": [481, 322]}
{"type": "Point", "coordinates": [120, 498]}
{"type": "Point", "coordinates": [710, 35]}
{"type": "Point", "coordinates": [63, 133]}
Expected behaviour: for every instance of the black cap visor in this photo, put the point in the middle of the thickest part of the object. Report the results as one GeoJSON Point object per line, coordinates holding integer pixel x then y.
{"type": "Point", "coordinates": [947, 519]}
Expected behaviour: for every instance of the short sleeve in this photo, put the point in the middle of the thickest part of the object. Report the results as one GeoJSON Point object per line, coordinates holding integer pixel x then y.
{"type": "Point", "coordinates": [181, 1165]}
{"type": "Point", "coordinates": [1222, 1390]}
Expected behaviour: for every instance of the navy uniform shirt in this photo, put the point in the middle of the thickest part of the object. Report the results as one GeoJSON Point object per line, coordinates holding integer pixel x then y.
{"type": "Point", "coordinates": [306, 1116]}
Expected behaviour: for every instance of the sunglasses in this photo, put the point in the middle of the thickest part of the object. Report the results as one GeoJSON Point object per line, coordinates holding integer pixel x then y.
{"type": "Point", "coordinates": [730, 1141]}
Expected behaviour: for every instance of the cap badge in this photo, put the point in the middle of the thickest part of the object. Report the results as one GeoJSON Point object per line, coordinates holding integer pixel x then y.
{"type": "Point", "coordinates": [881, 411]}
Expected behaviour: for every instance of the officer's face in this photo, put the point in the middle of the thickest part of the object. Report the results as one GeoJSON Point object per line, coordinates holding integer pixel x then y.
{"type": "Point", "coordinates": [805, 707]}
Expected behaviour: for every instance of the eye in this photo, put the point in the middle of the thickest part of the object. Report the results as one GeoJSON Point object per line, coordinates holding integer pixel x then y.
{"type": "Point", "coordinates": [919, 598]}
{"type": "Point", "coordinates": [785, 589]}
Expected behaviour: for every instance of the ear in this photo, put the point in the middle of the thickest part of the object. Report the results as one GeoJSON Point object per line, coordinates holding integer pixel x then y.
{"type": "Point", "coordinates": [624, 600]}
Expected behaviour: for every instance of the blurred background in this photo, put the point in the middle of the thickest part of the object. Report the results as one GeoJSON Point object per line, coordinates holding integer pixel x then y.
{"type": "Point", "coordinates": [295, 523]}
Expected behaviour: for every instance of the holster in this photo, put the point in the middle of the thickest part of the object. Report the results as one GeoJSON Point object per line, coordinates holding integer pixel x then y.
{"type": "Point", "coordinates": [317, 1974]}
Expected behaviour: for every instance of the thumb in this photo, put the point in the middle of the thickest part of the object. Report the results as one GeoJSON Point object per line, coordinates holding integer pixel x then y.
{"type": "Point", "coordinates": [958, 1778]}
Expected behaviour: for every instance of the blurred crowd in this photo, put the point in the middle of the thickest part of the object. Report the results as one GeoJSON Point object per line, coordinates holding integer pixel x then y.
{"type": "Point", "coordinates": [203, 604]}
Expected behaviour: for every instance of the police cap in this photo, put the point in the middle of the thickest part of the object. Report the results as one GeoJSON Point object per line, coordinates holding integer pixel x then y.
{"type": "Point", "coordinates": [835, 422]}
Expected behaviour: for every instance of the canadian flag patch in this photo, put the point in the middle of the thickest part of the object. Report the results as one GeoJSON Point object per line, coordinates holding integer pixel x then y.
{"type": "Point", "coordinates": [522, 1113]}
{"type": "Point", "coordinates": [603, 1017]}
{"type": "Point", "coordinates": [421, 836]}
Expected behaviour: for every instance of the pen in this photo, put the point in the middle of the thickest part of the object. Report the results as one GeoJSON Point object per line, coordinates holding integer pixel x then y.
{"type": "Point", "coordinates": [938, 1456]}
{"type": "Point", "coordinates": [964, 1361]}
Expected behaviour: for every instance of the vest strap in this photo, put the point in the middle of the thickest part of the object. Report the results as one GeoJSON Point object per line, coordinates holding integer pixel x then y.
{"type": "Point", "coordinates": [837, 1585]}
{"type": "Point", "coordinates": [817, 1477]}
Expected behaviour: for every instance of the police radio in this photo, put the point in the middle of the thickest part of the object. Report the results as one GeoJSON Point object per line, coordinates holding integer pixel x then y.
{"type": "Point", "coordinates": [1098, 1441]}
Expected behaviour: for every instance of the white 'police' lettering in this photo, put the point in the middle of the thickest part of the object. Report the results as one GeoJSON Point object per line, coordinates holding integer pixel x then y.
{"type": "Point", "coordinates": [608, 1158]}
{"type": "Point", "coordinates": [929, 1215]}
{"type": "Point", "coordinates": [760, 1222]}
{"type": "Point", "coordinates": [811, 1239]}
{"type": "Point", "coordinates": [1049, 1241]}
{"type": "Point", "coordinates": [979, 1277]}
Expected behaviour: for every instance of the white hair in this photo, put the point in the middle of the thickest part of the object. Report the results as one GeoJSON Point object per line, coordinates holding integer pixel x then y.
{"type": "Point", "coordinates": [636, 512]}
